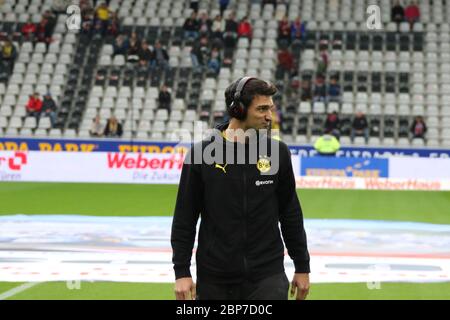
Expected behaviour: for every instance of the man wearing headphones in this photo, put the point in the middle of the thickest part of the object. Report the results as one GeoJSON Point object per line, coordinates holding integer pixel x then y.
{"type": "Point", "coordinates": [240, 253]}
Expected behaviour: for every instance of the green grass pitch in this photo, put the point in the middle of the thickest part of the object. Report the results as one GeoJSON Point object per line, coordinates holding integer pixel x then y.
{"type": "Point", "coordinates": [158, 200]}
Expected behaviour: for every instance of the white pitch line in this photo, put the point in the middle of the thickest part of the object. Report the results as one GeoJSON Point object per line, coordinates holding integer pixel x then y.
{"type": "Point", "coordinates": [16, 290]}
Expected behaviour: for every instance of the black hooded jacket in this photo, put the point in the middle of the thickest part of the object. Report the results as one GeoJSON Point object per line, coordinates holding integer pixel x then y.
{"type": "Point", "coordinates": [241, 210]}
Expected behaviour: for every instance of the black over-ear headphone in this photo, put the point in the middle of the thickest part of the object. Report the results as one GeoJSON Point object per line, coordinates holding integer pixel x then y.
{"type": "Point", "coordinates": [237, 109]}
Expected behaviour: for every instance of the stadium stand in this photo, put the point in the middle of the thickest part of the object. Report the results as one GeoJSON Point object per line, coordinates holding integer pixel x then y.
{"type": "Point", "coordinates": [392, 74]}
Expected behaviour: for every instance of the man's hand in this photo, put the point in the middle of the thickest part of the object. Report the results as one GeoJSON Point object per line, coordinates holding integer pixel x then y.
{"type": "Point", "coordinates": [185, 289]}
{"type": "Point", "coordinates": [300, 284]}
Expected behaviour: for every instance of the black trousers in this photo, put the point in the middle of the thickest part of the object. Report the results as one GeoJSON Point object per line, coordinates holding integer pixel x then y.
{"type": "Point", "coordinates": [272, 288]}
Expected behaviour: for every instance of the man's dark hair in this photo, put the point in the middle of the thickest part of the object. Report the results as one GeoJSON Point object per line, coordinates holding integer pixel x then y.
{"type": "Point", "coordinates": [252, 88]}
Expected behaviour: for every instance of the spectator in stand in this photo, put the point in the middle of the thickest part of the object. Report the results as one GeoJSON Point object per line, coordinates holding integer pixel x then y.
{"type": "Point", "coordinates": [113, 128]}
{"type": "Point", "coordinates": [28, 30]}
{"type": "Point", "coordinates": [8, 55]}
{"type": "Point", "coordinates": [306, 91]}
{"type": "Point", "coordinates": [320, 90]}
{"type": "Point", "coordinates": [85, 8]}
{"type": "Point", "coordinates": [332, 125]}
{"type": "Point", "coordinates": [41, 31]}
{"type": "Point", "coordinates": [397, 13]}
{"type": "Point", "coordinates": [87, 25]}
{"type": "Point", "coordinates": [34, 106]}
{"type": "Point", "coordinates": [286, 60]}
{"type": "Point", "coordinates": [191, 26]}
{"type": "Point", "coordinates": [8, 52]}
{"type": "Point", "coordinates": [284, 32]}
{"type": "Point", "coordinates": [412, 13]}
{"type": "Point", "coordinates": [49, 25]}
{"type": "Point", "coordinates": [145, 55]}
{"type": "Point", "coordinates": [49, 108]}
{"type": "Point", "coordinates": [160, 57]}
{"type": "Point", "coordinates": [218, 27]}
{"type": "Point", "coordinates": [200, 53]}
{"type": "Point", "coordinates": [214, 61]}
{"type": "Point", "coordinates": [223, 6]}
{"type": "Point", "coordinates": [231, 31]}
{"type": "Point", "coordinates": [44, 30]}
{"type": "Point", "coordinates": [97, 29]}
{"type": "Point", "coordinates": [121, 45]}
{"type": "Point", "coordinates": [165, 98]}
{"type": "Point", "coordinates": [418, 128]}
{"type": "Point", "coordinates": [205, 24]}
{"type": "Point", "coordinates": [322, 60]}
{"type": "Point", "coordinates": [245, 28]}
{"type": "Point", "coordinates": [114, 25]}
{"type": "Point", "coordinates": [231, 24]}
{"type": "Point", "coordinates": [134, 47]}
{"type": "Point", "coordinates": [297, 28]}
{"type": "Point", "coordinates": [103, 15]}
{"type": "Point", "coordinates": [360, 127]}
{"type": "Point", "coordinates": [334, 91]}
{"type": "Point", "coordinates": [97, 128]}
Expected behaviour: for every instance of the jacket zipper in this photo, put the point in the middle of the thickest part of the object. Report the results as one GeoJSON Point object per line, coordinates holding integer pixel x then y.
{"type": "Point", "coordinates": [245, 222]}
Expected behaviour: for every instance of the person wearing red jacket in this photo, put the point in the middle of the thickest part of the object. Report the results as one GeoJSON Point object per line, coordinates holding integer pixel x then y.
{"type": "Point", "coordinates": [34, 106]}
{"type": "Point", "coordinates": [286, 60]}
{"type": "Point", "coordinates": [40, 31]}
{"type": "Point", "coordinates": [284, 30]}
{"type": "Point", "coordinates": [412, 13]}
{"type": "Point", "coordinates": [28, 30]}
{"type": "Point", "coordinates": [245, 28]}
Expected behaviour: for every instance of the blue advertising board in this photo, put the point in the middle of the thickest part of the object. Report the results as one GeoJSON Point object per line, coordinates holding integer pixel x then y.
{"type": "Point", "coordinates": [344, 167]}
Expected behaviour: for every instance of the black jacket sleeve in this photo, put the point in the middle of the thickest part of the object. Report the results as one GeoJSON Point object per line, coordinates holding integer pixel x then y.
{"type": "Point", "coordinates": [291, 216]}
{"type": "Point", "coordinates": [187, 210]}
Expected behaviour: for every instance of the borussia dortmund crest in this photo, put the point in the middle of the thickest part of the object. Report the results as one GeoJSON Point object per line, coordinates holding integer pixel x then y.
{"type": "Point", "coordinates": [263, 164]}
